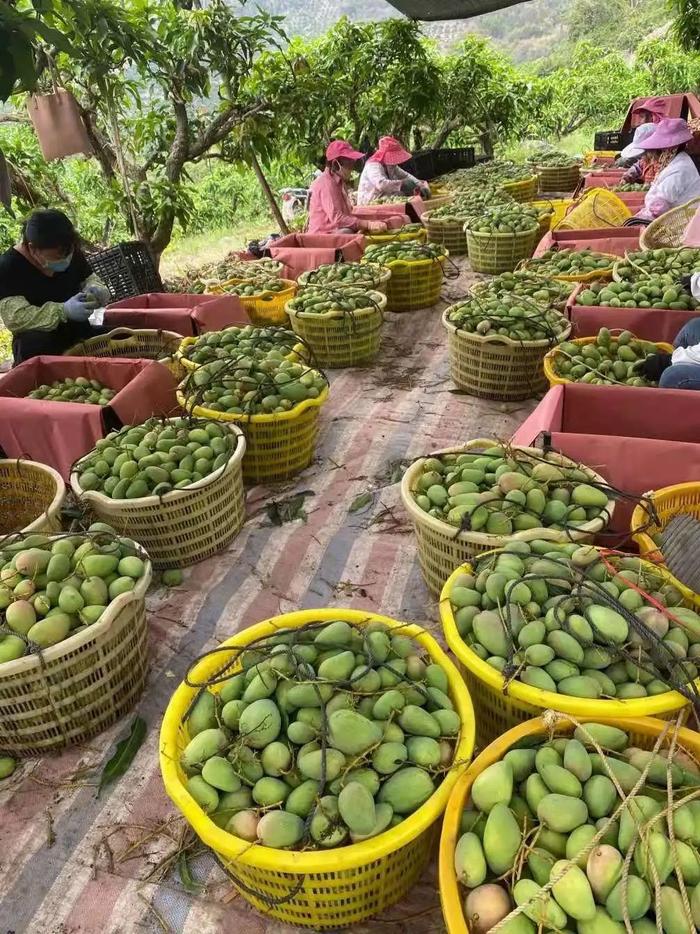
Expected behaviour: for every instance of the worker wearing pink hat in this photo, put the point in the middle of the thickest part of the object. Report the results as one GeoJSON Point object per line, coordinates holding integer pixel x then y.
{"type": "Point", "coordinates": [649, 110]}
{"type": "Point", "coordinates": [677, 180]}
{"type": "Point", "coordinates": [382, 176]}
{"type": "Point", "coordinates": [330, 209]}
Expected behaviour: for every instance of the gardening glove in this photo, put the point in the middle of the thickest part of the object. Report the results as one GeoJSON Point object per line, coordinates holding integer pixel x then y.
{"type": "Point", "coordinates": [100, 294]}
{"type": "Point", "coordinates": [685, 282]}
{"type": "Point", "coordinates": [423, 190]}
{"type": "Point", "coordinates": [653, 366]}
{"type": "Point", "coordinates": [408, 186]}
{"type": "Point", "coordinates": [77, 309]}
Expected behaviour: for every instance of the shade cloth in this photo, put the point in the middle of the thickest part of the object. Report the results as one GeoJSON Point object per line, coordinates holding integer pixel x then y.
{"type": "Point", "coordinates": [429, 10]}
{"type": "Point", "coordinates": [651, 324]}
{"type": "Point", "coordinates": [637, 439]}
{"type": "Point", "coordinates": [617, 240]}
{"type": "Point", "coordinates": [57, 433]}
{"type": "Point", "coordinates": [183, 313]}
{"type": "Point", "coordinates": [302, 252]}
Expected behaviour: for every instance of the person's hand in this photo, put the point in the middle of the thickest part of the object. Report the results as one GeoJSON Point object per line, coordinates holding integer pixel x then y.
{"type": "Point", "coordinates": [408, 187]}
{"type": "Point", "coordinates": [376, 227]}
{"type": "Point", "coordinates": [424, 191]}
{"type": "Point", "coordinates": [76, 308]}
{"type": "Point", "coordinates": [100, 294]}
{"type": "Point", "coordinates": [653, 366]}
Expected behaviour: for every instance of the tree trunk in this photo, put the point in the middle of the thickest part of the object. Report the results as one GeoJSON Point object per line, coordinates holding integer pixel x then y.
{"type": "Point", "coordinates": [267, 191]}
{"type": "Point", "coordinates": [486, 144]}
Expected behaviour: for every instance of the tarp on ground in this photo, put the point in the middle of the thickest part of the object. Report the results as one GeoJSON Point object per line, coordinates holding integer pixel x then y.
{"type": "Point", "coordinates": [429, 10]}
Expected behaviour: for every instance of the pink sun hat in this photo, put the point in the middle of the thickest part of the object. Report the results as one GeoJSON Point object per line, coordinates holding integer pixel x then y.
{"type": "Point", "coordinates": [390, 152]}
{"type": "Point", "coordinates": [670, 132]}
{"type": "Point", "coordinates": [340, 149]}
{"type": "Point", "coordinates": [657, 106]}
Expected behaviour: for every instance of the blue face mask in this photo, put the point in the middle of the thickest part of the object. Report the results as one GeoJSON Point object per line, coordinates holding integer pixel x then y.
{"type": "Point", "coordinates": [59, 265]}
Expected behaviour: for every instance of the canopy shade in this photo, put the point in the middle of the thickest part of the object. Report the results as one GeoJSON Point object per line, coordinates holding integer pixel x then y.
{"type": "Point", "coordinates": [429, 10]}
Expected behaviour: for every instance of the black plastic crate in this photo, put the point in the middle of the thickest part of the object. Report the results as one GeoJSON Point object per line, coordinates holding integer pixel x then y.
{"type": "Point", "coordinates": [127, 269]}
{"type": "Point", "coordinates": [422, 165]}
{"type": "Point", "coordinates": [448, 160]}
{"type": "Point", "coordinates": [612, 140]}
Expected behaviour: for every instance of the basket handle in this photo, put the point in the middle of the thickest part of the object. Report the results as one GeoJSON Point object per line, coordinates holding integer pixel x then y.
{"type": "Point", "coordinates": [121, 335]}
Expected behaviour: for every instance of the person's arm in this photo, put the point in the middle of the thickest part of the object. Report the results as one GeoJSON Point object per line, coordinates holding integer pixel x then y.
{"type": "Point", "coordinates": [332, 205]}
{"type": "Point", "coordinates": [634, 174]}
{"type": "Point", "coordinates": [380, 181]}
{"type": "Point", "coordinates": [94, 286]}
{"type": "Point", "coordinates": [18, 315]}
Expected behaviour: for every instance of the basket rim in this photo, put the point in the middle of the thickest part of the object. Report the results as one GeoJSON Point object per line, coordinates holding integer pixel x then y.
{"type": "Point", "coordinates": [382, 271]}
{"type": "Point", "coordinates": [220, 289]}
{"type": "Point", "coordinates": [644, 540]}
{"type": "Point", "coordinates": [336, 313]}
{"type": "Point", "coordinates": [582, 277]}
{"type": "Point", "coordinates": [457, 332]}
{"type": "Point", "coordinates": [260, 418]}
{"type": "Point", "coordinates": [450, 898]}
{"type": "Point", "coordinates": [428, 219]}
{"type": "Point", "coordinates": [127, 332]}
{"type": "Point", "coordinates": [186, 342]}
{"type": "Point", "coordinates": [556, 380]}
{"type": "Point", "coordinates": [344, 858]}
{"type": "Point", "coordinates": [172, 496]}
{"type": "Point", "coordinates": [499, 235]}
{"type": "Point", "coordinates": [88, 633]}
{"type": "Point", "coordinates": [483, 538]}
{"type": "Point", "coordinates": [58, 498]}
{"type": "Point", "coordinates": [536, 697]}
{"type": "Point", "coordinates": [427, 261]}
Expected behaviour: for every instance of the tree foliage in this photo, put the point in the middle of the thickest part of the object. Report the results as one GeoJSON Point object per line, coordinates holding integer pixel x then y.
{"type": "Point", "coordinates": [687, 23]}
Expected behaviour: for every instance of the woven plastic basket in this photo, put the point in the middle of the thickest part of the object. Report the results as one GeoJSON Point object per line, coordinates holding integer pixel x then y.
{"type": "Point", "coordinates": [523, 190]}
{"type": "Point", "coordinates": [550, 371]}
{"type": "Point", "coordinates": [183, 526]}
{"type": "Point", "coordinates": [403, 236]}
{"type": "Point", "coordinates": [449, 233]}
{"type": "Point", "coordinates": [442, 547]}
{"type": "Point", "coordinates": [499, 707]}
{"type": "Point", "coordinates": [499, 252]}
{"type": "Point", "coordinates": [377, 277]}
{"type": "Point", "coordinates": [599, 155]}
{"type": "Point", "coordinates": [187, 365]}
{"type": "Point", "coordinates": [124, 342]}
{"type": "Point", "coordinates": [340, 339]}
{"type": "Point", "coordinates": [558, 179]}
{"type": "Point", "coordinates": [31, 497]}
{"type": "Point", "coordinates": [279, 445]}
{"type": "Point", "coordinates": [596, 275]}
{"type": "Point", "coordinates": [670, 501]}
{"type": "Point", "coordinates": [496, 367]}
{"type": "Point", "coordinates": [324, 889]}
{"type": "Point", "coordinates": [265, 308]}
{"type": "Point", "coordinates": [414, 284]}
{"type": "Point", "coordinates": [597, 209]}
{"type": "Point", "coordinates": [81, 686]}
{"type": "Point", "coordinates": [668, 229]}
{"type": "Point", "coordinates": [644, 732]}
{"type": "Point", "coordinates": [437, 201]}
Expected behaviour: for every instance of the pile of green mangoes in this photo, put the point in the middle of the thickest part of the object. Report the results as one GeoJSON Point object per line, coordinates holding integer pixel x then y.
{"type": "Point", "coordinates": [487, 313]}
{"type": "Point", "coordinates": [493, 173]}
{"type": "Point", "coordinates": [567, 262]}
{"type": "Point", "coordinates": [329, 735]}
{"type": "Point", "coordinates": [408, 251]}
{"type": "Point", "coordinates": [554, 160]}
{"type": "Point", "coordinates": [631, 186]}
{"type": "Point", "coordinates": [568, 618]}
{"type": "Point", "coordinates": [240, 341]}
{"type": "Point", "coordinates": [245, 269]}
{"type": "Point", "coordinates": [547, 801]}
{"type": "Point", "coordinates": [530, 286]}
{"type": "Point", "coordinates": [80, 389]}
{"type": "Point", "coordinates": [50, 588]}
{"type": "Point", "coordinates": [260, 285]}
{"type": "Point", "coordinates": [668, 261]}
{"type": "Point", "coordinates": [389, 199]}
{"type": "Point", "coordinates": [604, 361]}
{"type": "Point", "coordinates": [651, 292]}
{"type": "Point", "coordinates": [504, 219]}
{"type": "Point", "coordinates": [340, 274]}
{"type": "Point", "coordinates": [249, 386]}
{"type": "Point", "coordinates": [469, 202]}
{"type": "Point", "coordinates": [155, 457]}
{"type": "Point", "coordinates": [500, 492]}
{"type": "Point", "coordinates": [322, 300]}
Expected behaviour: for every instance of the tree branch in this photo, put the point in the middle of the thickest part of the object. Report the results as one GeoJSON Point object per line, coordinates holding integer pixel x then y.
{"type": "Point", "coordinates": [221, 126]}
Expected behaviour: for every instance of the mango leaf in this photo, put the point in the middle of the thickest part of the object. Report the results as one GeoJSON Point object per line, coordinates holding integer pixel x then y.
{"type": "Point", "coordinates": [287, 510]}
{"type": "Point", "coordinates": [188, 883]}
{"type": "Point", "coordinates": [124, 755]}
{"type": "Point", "coordinates": [361, 502]}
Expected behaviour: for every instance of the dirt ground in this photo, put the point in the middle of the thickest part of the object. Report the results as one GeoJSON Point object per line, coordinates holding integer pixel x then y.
{"type": "Point", "coordinates": [72, 862]}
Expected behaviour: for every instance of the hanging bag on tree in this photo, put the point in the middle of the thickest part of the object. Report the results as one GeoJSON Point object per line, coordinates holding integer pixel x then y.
{"type": "Point", "coordinates": [58, 124]}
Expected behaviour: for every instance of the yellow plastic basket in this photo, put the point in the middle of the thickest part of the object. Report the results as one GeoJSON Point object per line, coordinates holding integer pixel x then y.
{"type": "Point", "coordinates": [330, 888]}
{"type": "Point", "coordinates": [340, 339]}
{"type": "Point", "coordinates": [450, 233]}
{"type": "Point", "coordinates": [496, 367]}
{"type": "Point", "coordinates": [403, 236]}
{"type": "Point", "coordinates": [377, 278]}
{"type": "Point", "coordinates": [442, 547]}
{"type": "Point", "coordinates": [549, 368]}
{"type": "Point", "coordinates": [595, 275]}
{"type": "Point", "coordinates": [145, 344]}
{"type": "Point", "coordinates": [668, 502]}
{"type": "Point", "coordinates": [565, 178]}
{"type": "Point", "coordinates": [414, 284]}
{"type": "Point", "coordinates": [644, 732]}
{"type": "Point", "coordinates": [298, 352]}
{"type": "Point", "coordinates": [278, 445]}
{"type": "Point", "coordinates": [31, 497]}
{"type": "Point", "coordinates": [598, 208]}
{"type": "Point", "coordinates": [499, 706]}
{"type": "Point", "coordinates": [523, 190]}
{"type": "Point", "coordinates": [265, 308]}
{"type": "Point", "coordinates": [494, 253]}
{"type": "Point", "coordinates": [590, 157]}
{"type": "Point", "coordinates": [668, 229]}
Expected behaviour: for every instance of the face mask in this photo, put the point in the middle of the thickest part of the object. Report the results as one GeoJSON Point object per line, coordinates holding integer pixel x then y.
{"type": "Point", "coordinates": [59, 265]}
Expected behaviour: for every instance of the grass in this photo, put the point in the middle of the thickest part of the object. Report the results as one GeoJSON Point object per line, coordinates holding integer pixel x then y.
{"type": "Point", "coordinates": [576, 144]}
{"type": "Point", "coordinates": [198, 249]}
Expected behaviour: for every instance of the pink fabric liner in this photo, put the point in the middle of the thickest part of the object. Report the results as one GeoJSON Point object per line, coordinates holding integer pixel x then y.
{"type": "Point", "coordinates": [638, 439]}
{"type": "Point", "coordinates": [57, 433]}
{"type": "Point", "coordinates": [651, 324]}
{"type": "Point", "coordinates": [617, 240]}
{"type": "Point", "coordinates": [382, 212]}
{"type": "Point", "coordinates": [608, 179]}
{"type": "Point", "coordinates": [185, 314]}
{"type": "Point", "coordinates": [301, 252]}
